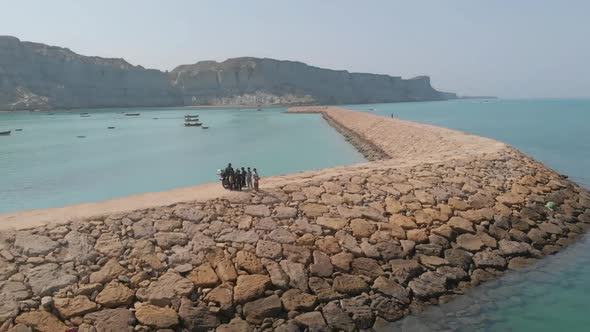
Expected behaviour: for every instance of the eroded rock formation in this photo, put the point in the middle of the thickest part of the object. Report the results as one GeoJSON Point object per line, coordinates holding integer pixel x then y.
{"type": "Point", "coordinates": [37, 76]}
{"type": "Point", "coordinates": [254, 81]}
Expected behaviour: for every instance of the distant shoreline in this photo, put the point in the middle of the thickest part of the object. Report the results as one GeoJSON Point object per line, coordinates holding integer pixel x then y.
{"type": "Point", "coordinates": [211, 106]}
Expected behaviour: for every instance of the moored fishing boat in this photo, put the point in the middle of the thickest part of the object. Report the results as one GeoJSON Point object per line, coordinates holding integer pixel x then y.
{"type": "Point", "coordinates": [192, 124]}
{"type": "Point", "coordinates": [5, 133]}
{"type": "Point", "coordinates": [132, 114]}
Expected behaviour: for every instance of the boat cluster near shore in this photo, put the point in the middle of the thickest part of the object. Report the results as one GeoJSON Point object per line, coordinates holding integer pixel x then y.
{"type": "Point", "coordinates": [190, 120]}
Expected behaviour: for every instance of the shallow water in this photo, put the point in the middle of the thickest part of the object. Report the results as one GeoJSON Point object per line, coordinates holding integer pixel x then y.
{"type": "Point", "coordinates": [554, 294]}
{"type": "Point", "coordinates": [47, 165]}
{"type": "Point", "coordinates": [549, 296]}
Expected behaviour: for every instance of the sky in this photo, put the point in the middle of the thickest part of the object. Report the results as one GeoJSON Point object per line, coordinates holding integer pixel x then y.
{"type": "Point", "coordinates": [506, 48]}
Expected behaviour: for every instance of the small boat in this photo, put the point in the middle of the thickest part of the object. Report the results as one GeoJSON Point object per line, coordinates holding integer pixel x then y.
{"type": "Point", "coordinates": [259, 109]}
{"type": "Point", "coordinates": [110, 127]}
{"type": "Point", "coordinates": [5, 133]}
{"type": "Point", "coordinates": [156, 118]}
{"type": "Point", "coordinates": [81, 136]}
{"type": "Point", "coordinates": [204, 127]}
{"type": "Point", "coordinates": [85, 115]}
{"type": "Point", "coordinates": [132, 114]}
{"type": "Point", "coordinates": [191, 116]}
{"type": "Point", "coordinates": [371, 109]}
{"type": "Point", "coordinates": [18, 129]}
{"type": "Point", "coordinates": [192, 124]}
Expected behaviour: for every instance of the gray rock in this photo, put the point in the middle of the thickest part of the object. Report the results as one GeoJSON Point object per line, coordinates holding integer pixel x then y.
{"type": "Point", "coordinates": [197, 318]}
{"type": "Point", "coordinates": [143, 229]}
{"type": "Point", "coordinates": [459, 258]}
{"type": "Point", "coordinates": [168, 239]}
{"type": "Point", "coordinates": [111, 320]}
{"type": "Point", "coordinates": [202, 242]}
{"type": "Point", "coordinates": [34, 245]}
{"type": "Point", "coordinates": [6, 269]}
{"type": "Point", "coordinates": [428, 285]}
{"type": "Point", "coordinates": [268, 249]}
{"type": "Point", "coordinates": [80, 248]}
{"type": "Point", "coordinates": [239, 236]}
{"type": "Point", "coordinates": [514, 248]}
{"type": "Point", "coordinates": [297, 274]}
{"type": "Point", "coordinates": [10, 293]}
{"type": "Point", "coordinates": [278, 277]}
{"type": "Point", "coordinates": [322, 266]}
{"type": "Point", "coordinates": [404, 270]}
{"type": "Point", "coordinates": [188, 213]}
{"type": "Point", "coordinates": [314, 321]}
{"type": "Point", "coordinates": [282, 235]}
{"type": "Point", "coordinates": [48, 278]}
{"type": "Point", "coordinates": [337, 318]}
{"type": "Point", "coordinates": [489, 259]}
{"type": "Point", "coordinates": [257, 210]}
{"type": "Point", "coordinates": [393, 289]}
{"type": "Point", "coordinates": [256, 311]}
{"type": "Point", "coordinates": [285, 212]}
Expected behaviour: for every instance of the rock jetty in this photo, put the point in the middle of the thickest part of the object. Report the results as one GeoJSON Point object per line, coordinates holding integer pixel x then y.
{"type": "Point", "coordinates": [436, 213]}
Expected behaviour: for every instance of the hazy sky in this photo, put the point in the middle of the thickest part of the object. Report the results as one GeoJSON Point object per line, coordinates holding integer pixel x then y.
{"type": "Point", "coordinates": [509, 48]}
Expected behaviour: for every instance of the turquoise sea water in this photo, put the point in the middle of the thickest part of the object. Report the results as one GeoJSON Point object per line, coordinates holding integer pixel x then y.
{"type": "Point", "coordinates": [556, 132]}
{"type": "Point", "coordinates": [47, 165]}
{"type": "Point", "coordinates": [554, 294]}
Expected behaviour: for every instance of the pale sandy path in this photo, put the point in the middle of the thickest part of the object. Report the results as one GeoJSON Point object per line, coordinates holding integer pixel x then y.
{"type": "Point", "coordinates": [202, 192]}
{"type": "Point", "coordinates": [408, 144]}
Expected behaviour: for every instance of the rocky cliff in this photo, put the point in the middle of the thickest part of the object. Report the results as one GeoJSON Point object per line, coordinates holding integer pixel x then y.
{"type": "Point", "coordinates": [269, 81]}
{"type": "Point", "coordinates": [38, 76]}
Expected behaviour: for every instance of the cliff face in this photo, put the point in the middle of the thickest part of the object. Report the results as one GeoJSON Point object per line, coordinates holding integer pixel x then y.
{"type": "Point", "coordinates": [210, 82]}
{"type": "Point", "coordinates": [38, 76]}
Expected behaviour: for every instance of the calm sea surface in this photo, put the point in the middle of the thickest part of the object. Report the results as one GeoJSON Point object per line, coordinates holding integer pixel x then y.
{"type": "Point", "coordinates": [46, 165]}
{"type": "Point", "coordinates": [555, 294]}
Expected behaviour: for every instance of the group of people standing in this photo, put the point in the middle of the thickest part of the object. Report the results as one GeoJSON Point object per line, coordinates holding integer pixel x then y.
{"type": "Point", "coordinates": [239, 178]}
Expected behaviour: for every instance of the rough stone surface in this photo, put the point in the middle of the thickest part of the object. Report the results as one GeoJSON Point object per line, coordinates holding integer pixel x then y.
{"type": "Point", "coordinates": [250, 287]}
{"type": "Point", "coordinates": [76, 306]}
{"type": "Point", "coordinates": [153, 316]}
{"type": "Point", "coordinates": [256, 311]}
{"type": "Point", "coordinates": [41, 321]}
{"type": "Point", "coordinates": [48, 278]}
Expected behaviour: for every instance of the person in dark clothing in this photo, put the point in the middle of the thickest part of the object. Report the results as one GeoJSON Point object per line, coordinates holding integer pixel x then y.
{"type": "Point", "coordinates": [229, 173]}
{"type": "Point", "coordinates": [238, 179]}
{"type": "Point", "coordinates": [243, 177]}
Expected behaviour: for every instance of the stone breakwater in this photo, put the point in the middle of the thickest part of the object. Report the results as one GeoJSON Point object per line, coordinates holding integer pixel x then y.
{"type": "Point", "coordinates": [347, 250]}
